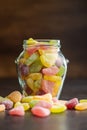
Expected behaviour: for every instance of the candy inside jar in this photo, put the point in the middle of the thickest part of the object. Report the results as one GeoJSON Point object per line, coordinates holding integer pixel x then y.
{"type": "Point", "coordinates": [41, 67]}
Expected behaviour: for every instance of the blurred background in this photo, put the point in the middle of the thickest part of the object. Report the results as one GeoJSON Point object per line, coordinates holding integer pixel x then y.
{"type": "Point", "coordinates": [56, 19]}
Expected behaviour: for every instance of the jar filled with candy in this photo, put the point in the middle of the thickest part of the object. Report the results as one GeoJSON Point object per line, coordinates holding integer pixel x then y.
{"type": "Point", "coordinates": [41, 67]}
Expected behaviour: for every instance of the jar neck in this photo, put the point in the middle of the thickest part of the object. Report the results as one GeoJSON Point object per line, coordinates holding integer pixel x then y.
{"type": "Point", "coordinates": [42, 43]}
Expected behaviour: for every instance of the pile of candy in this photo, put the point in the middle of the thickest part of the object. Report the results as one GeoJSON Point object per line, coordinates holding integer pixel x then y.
{"type": "Point", "coordinates": [16, 104]}
{"type": "Point", "coordinates": [40, 68]}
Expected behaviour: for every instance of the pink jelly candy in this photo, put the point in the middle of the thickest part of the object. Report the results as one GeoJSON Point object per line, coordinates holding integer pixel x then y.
{"type": "Point", "coordinates": [44, 104]}
{"type": "Point", "coordinates": [50, 71]}
{"type": "Point", "coordinates": [71, 103]}
{"type": "Point", "coordinates": [40, 111]}
{"type": "Point", "coordinates": [17, 111]}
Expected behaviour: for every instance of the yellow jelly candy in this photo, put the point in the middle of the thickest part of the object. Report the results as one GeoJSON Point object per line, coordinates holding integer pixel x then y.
{"type": "Point", "coordinates": [52, 78]}
{"type": "Point", "coordinates": [27, 99]}
{"type": "Point", "coordinates": [35, 76]}
{"type": "Point", "coordinates": [58, 108]}
{"type": "Point", "coordinates": [81, 106]}
{"type": "Point", "coordinates": [25, 105]}
{"type": "Point", "coordinates": [83, 100]}
{"type": "Point", "coordinates": [56, 88]}
{"type": "Point", "coordinates": [2, 107]}
{"type": "Point", "coordinates": [30, 83]}
{"type": "Point", "coordinates": [48, 59]}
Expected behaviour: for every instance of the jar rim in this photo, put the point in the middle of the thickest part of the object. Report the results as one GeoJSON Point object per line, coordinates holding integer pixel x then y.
{"type": "Point", "coordinates": [47, 42]}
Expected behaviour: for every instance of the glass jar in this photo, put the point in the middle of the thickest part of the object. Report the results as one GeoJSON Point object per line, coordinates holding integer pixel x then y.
{"type": "Point", "coordinates": [41, 67]}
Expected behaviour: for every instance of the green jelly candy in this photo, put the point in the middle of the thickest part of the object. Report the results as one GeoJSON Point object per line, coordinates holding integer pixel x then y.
{"type": "Point", "coordinates": [32, 58]}
{"type": "Point", "coordinates": [61, 71]}
{"type": "Point", "coordinates": [36, 66]}
{"type": "Point", "coordinates": [33, 103]}
{"type": "Point", "coordinates": [37, 84]}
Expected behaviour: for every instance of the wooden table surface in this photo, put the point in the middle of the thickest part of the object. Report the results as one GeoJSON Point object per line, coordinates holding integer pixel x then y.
{"type": "Point", "coordinates": [69, 120]}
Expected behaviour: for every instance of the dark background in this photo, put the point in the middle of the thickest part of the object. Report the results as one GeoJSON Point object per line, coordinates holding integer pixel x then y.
{"type": "Point", "coordinates": [58, 19]}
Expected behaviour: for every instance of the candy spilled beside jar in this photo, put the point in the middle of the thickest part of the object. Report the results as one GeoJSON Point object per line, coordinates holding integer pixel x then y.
{"type": "Point", "coordinates": [41, 67]}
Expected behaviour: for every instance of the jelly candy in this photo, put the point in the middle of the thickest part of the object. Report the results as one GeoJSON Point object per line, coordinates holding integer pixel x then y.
{"type": "Point", "coordinates": [36, 66]}
{"type": "Point", "coordinates": [8, 103]}
{"type": "Point", "coordinates": [24, 69]}
{"type": "Point", "coordinates": [48, 59]}
{"type": "Point", "coordinates": [2, 107]}
{"type": "Point", "coordinates": [31, 50]}
{"type": "Point", "coordinates": [56, 88]}
{"type": "Point", "coordinates": [44, 104]}
{"type": "Point", "coordinates": [59, 62]}
{"type": "Point", "coordinates": [32, 58]}
{"type": "Point", "coordinates": [58, 108]}
{"type": "Point", "coordinates": [37, 84]}
{"type": "Point", "coordinates": [30, 83]}
{"type": "Point", "coordinates": [35, 76]}
{"type": "Point", "coordinates": [61, 71]}
{"type": "Point", "coordinates": [81, 106]}
{"type": "Point", "coordinates": [17, 111]}
{"type": "Point", "coordinates": [15, 96]}
{"type": "Point", "coordinates": [25, 105]}
{"type": "Point", "coordinates": [33, 103]}
{"type": "Point", "coordinates": [72, 103]}
{"type": "Point", "coordinates": [47, 86]}
{"type": "Point", "coordinates": [52, 78]}
{"type": "Point", "coordinates": [40, 111]}
{"type": "Point", "coordinates": [50, 71]}
{"type": "Point", "coordinates": [27, 99]}
{"type": "Point", "coordinates": [30, 41]}
{"type": "Point", "coordinates": [83, 100]}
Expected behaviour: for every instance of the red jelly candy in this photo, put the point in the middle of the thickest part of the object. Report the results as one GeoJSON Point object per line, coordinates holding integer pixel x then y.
{"type": "Point", "coordinates": [40, 111]}
{"type": "Point", "coordinates": [71, 103]}
{"type": "Point", "coordinates": [17, 111]}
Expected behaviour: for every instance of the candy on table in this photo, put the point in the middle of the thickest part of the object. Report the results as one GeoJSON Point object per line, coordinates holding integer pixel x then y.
{"type": "Point", "coordinates": [32, 58]}
{"type": "Point", "coordinates": [25, 105]}
{"type": "Point", "coordinates": [36, 66]}
{"type": "Point", "coordinates": [53, 70]}
{"type": "Point", "coordinates": [40, 111]}
{"type": "Point", "coordinates": [8, 103]}
{"type": "Point", "coordinates": [58, 108]}
{"type": "Point", "coordinates": [2, 107]}
{"type": "Point", "coordinates": [15, 96]}
{"type": "Point", "coordinates": [82, 100]}
{"type": "Point", "coordinates": [44, 104]}
{"type": "Point", "coordinates": [48, 59]}
{"type": "Point", "coordinates": [32, 103]}
{"type": "Point", "coordinates": [17, 111]}
{"type": "Point", "coordinates": [71, 103]}
{"type": "Point", "coordinates": [81, 106]}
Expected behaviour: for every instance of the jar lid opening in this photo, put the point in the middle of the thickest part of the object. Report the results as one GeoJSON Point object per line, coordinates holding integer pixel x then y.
{"type": "Point", "coordinates": [47, 42]}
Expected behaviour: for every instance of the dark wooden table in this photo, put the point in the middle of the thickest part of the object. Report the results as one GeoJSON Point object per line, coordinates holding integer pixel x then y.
{"type": "Point", "coordinates": [69, 120]}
